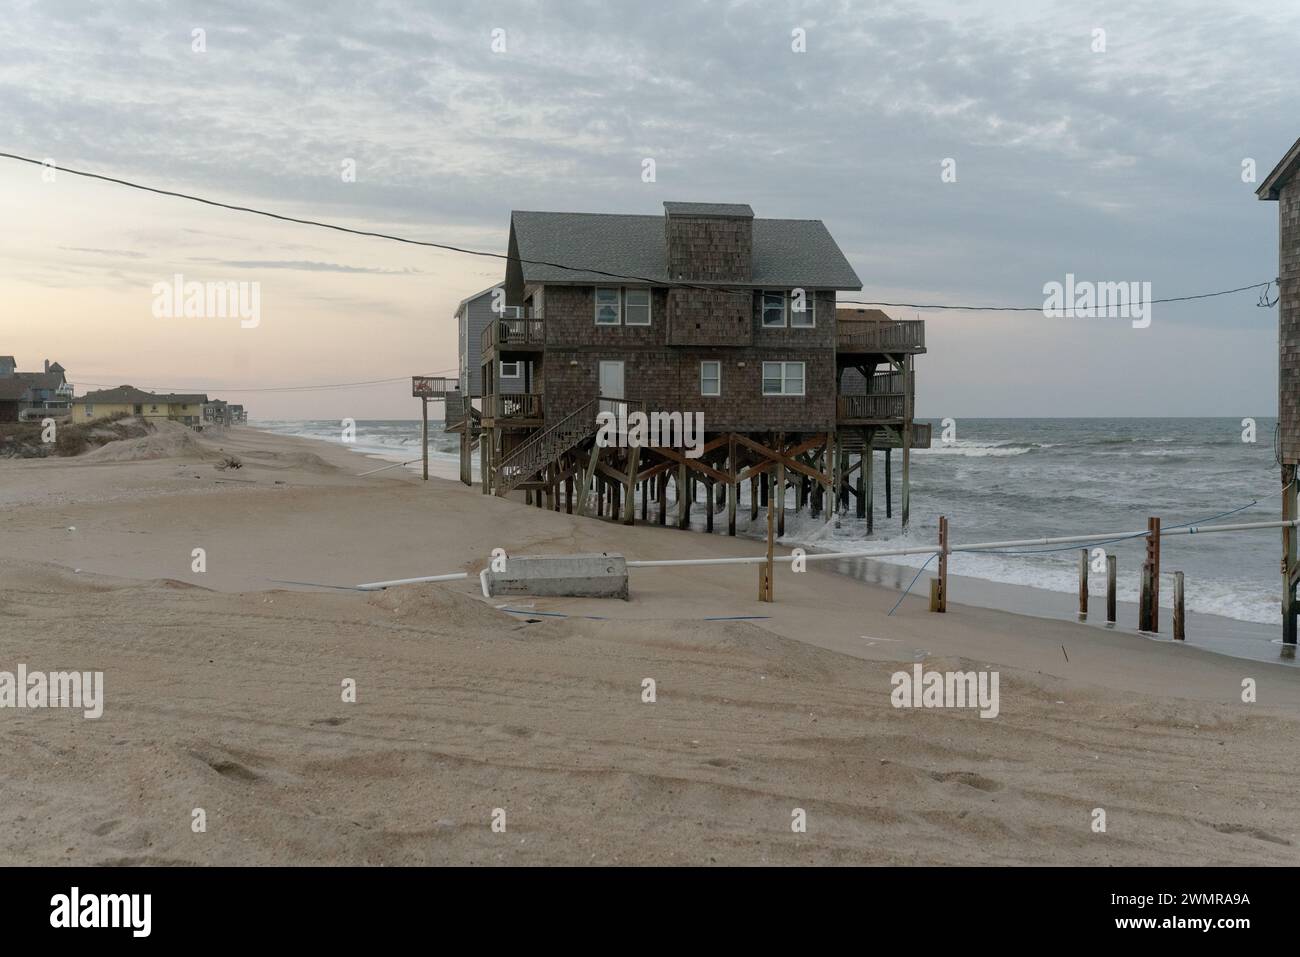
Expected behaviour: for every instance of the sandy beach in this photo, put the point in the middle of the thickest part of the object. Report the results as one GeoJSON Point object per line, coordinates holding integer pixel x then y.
{"type": "Point", "coordinates": [222, 692]}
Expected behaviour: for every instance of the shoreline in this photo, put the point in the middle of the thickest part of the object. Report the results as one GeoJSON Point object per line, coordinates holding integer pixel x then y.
{"type": "Point", "coordinates": [1219, 634]}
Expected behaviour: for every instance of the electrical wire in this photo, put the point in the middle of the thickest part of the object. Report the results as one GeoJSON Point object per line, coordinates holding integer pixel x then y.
{"type": "Point", "coordinates": [555, 265]}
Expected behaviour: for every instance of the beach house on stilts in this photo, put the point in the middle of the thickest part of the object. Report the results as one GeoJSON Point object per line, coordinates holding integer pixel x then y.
{"type": "Point", "coordinates": [704, 311]}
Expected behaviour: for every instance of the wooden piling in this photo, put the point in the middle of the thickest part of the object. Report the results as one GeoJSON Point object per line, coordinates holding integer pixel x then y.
{"type": "Point", "coordinates": [1112, 564]}
{"type": "Point", "coordinates": [861, 504]}
{"type": "Point", "coordinates": [683, 498]}
{"type": "Point", "coordinates": [1153, 574]}
{"type": "Point", "coordinates": [871, 485]}
{"type": "Point", "coordinates": [1180, 629]}
{"type": "Point", "coordinates": [424, 432]}
{"type": "Point", "coordinates": [777, 499]}
{"type": "Point", "coordinates": [942, 591]}
{"type": "Point", "coordinates": [663, 497]}
{"type": "Point", "coordinates": [765, 571]}
{"type": "Point", "coordinates": [889, 494]}
{"type": "Point", "coordinates": [708, 505]}
{"type": "Point", "coordinates": [1083, 584]}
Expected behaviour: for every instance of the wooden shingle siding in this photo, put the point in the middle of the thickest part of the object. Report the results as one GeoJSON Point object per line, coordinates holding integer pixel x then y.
{"type": "Point", "coordinates": [1289, 320]}
{"type": "Point", "coordinates": [699, 318]}
{"type": "Point", "coordinates": [710, 249]}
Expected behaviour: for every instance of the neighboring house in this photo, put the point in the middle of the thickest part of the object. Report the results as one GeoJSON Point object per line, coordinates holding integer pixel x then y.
{"type": "Point", "coordinates": [51, 392]}
{"type": "Point", "coordinates": [14, 397]}
{"type": "Point", "coordinates": [128, 400]}
{"type": "Point", "coordinates": [45, 393]}
{"type": "Point", "coordinates": [729, 315]}
{"type": "Point", "coordinates": [473, 315]}
{"type": "Point", "coordinates": [218, 411]}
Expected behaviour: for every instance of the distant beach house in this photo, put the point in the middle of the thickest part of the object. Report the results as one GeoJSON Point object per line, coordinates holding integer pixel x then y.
{"type": "Point", "coordinates": [128, 400]}
{"type": "Point", "coordinates": [473, 315]}
{"type": "Point", "coordinates": [33, 395]}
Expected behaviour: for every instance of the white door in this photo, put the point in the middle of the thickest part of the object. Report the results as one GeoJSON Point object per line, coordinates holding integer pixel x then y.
{"type": "Point", "coordinates": [611, 384]}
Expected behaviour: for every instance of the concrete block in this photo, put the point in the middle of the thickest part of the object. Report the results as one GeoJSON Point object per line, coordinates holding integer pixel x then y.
{"type": "Point", "coordinates": [573, 576]}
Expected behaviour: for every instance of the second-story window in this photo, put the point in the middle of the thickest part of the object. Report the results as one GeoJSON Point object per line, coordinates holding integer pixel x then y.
{"type": "Point", "coordinates": [711, 378]}
{"type": "Point", "coordinates": [607, 312]}
{"type": "Point", "coordinates": [637, 307]}
{"type": "Point", "coordinates": [510, 370]}
{"type": "Point", "coordinates": [773, 310]}
{"type": "Point", "coordinates": [803, 309]}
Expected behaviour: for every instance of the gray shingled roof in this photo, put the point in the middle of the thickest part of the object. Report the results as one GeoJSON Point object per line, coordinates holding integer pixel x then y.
{"type": "Point", "coordinates": [729, 210]}
{"type": "Point", "coordinates": [130, 395]}
{"type": "Point", "coordinates": [787, 252]}
{"type": "Point", "coordinates": [41, 380]}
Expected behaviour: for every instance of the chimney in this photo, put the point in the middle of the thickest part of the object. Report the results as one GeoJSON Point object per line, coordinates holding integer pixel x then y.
{"type": "Point", "coordinates": [709, 242]}
{"type": "Point", "coordinates": [47, 365]}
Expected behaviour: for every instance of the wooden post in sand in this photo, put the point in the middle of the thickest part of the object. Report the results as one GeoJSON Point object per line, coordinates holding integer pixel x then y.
{"type": "Point", "coordinates": [1149, 607]}
{"type": "Point", "coordinates": [424, 432]}
{"type": "Point", "coordinates": [889, 491]}
{"type": "Point", "coordinates": [765, 571]}
{"type": "Point", "coordinates": [683, 500]}
{"type": "Point", "coordinates": [939, 590]}
{"type": "Point", "coordinates": [1083, 583]}
{"type": "Point", "coordinates": [1180, 620]}
{"type": "Point", "coordinates": [1112, 564]}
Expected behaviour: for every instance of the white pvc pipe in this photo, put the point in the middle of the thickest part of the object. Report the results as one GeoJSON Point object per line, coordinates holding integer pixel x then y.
{"type": "Point", "coordinates": [893, 552]}
{"type": "Point", "coordinates": [380, 586]}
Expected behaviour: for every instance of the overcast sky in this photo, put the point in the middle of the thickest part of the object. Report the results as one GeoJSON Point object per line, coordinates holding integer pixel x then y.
{"type": "Point", "coordinates": [1117, 165]}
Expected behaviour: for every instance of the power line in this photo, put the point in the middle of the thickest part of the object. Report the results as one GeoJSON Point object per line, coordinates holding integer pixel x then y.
{"type": "Point", "coordinates": [277, 388]}
{"type": "Point", "coordinates": [543, 262]}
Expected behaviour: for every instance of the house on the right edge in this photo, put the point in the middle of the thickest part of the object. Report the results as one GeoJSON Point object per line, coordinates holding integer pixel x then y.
{"type": "Point", "coordinates": [1282, 187]}
{"type": "Point", "coordinates": [704, 309]}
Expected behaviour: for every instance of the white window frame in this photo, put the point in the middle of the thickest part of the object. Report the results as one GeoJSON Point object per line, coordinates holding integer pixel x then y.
{"type": "Point", "coordinates": [762, 308]}
{"type": "Point", "coordinates": [809, 313]}
{"type": "Point", "coordinates": [618, 305]}
{"type": "Point", "coordinates": [627, 305]}
{"type": "Point", "coordinates": [717, 376]}
{"type": "Point", "coordinates": [784, 377]}
{"type": "Point", "coordinates": [510, 375]}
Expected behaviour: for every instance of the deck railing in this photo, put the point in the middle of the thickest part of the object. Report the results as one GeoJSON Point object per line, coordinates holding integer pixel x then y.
{"type": "Point", "coordinates": [871, 335]}
{"type": "Point", "coordinates": [520, 405]}
{"type": "Point", "coordinates": [503, 333]}
{"type": "Point", "coordinates": [888, 405]}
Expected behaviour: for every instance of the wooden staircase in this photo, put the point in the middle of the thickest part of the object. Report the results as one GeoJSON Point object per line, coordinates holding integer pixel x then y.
{"type": "Point", "coordinates": [544, 447]}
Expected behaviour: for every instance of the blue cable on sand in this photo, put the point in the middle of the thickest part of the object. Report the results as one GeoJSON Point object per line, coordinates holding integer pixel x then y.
{"type": "Point", "coordinates": [913, 582]}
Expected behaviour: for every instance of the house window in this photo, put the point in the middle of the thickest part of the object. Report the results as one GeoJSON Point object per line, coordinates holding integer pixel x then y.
{"type": "Point", "coordinates": [607, 306]}
{"type": "Point", "coordinates": [90, 410]}
{"type": "Point", "coordinates": [710, 378]}
{"type": "Point", "coordinates": [773, 310]}
{"type": "Point", "coordinates": [510, 370]}
{"type": "Point", "coordinates": [637, 307]}
{"type": "Point", "coordinates": [803, 309]}
{"type": "Point", "coordinates": [782, 378]}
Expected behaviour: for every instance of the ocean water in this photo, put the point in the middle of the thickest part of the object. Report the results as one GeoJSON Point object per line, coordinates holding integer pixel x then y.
{"type": "Point", "coordinates": [1004, 479]}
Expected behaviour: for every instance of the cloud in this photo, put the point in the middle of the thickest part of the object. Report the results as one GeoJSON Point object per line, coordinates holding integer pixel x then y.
{"type": "Point", "coordinates": [1123, 164]}
{"type": "Point", "coordinates": [307, 266]}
